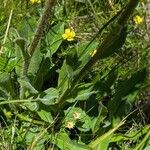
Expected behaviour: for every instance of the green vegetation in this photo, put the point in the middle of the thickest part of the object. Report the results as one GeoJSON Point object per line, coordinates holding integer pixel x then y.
{"type": "Point", "coordinates": [74, 75]}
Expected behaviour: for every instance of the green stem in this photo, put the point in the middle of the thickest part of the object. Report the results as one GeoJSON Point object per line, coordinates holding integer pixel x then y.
{"type": "Point", "coordinates": [21, 117]}
{"type": "Point", "coordinates": [17, 101]}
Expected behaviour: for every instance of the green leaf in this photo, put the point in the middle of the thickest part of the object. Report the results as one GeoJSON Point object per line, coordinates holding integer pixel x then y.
{"type": "Point", "coordinates": [4, 94]}
{"type": "Point", "coordinates": [19, 61]}
{"type": "Point", "coordinates": [32, 135]}
{"type": "Point", "coordinates": [7, 64]}
{"type": "Point", "coordinates": [119, 106]}
{"type": "Point", "coordinates": [115, 41]}
{"type": "Point", "coordinates": [65, 77]}
{"type": "Point", "coordinates": [35, 63]}
{"type": "Point", "coordinates": [55, 37]}
{"type": "Point", "coordinates": [132, 135]}
{"type": "Point", "coordinates": [81, 92]}
{"type": "Point", "coordinates": [84, 122]}
{"type": "Point", "coordinates": [6, 84]}
{"type": "Point", "coordinates": [104, 86]}
{"type": "Point", "coordinates": [25, 83]}
{"type": "Point", "coordinates": [64, 142]}
{"type": "Point", "coordinates": [22, 43]}
{"type": "Point", "coordinates": [11, 63]}
{"type": "Point", "coordinates": [33, 106]}
{"type": "Point", "coordinates": [43, 70]}
{"type": "Point", "coordinates": [81, 55]}
{"type": "Point", "coordinates": [26, 27]}
{"type": "Point", "coordinates": [106, 136]}
{"type": "Point", "coordinates": [50, 96]}
{"type": "Point", "coordinates": [147, 148]}
{"type": "Point", "coordinates": [3, 63]}
{"type": "Point", "coordinates": [99, 119]}
{"type": "Point", "coordinates": [45, 116]}
{"type": "Point", "coordinates": [72, 59]}
{"type": "Point", "coordinates": [104, 144]}
{"type": "Point", "coordinates": [84, 51]}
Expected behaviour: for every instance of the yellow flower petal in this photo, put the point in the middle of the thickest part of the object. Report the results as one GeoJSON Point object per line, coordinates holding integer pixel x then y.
{"type": "Point", "coordinates": [137, 19]}
{"type": "Point", "coordinates": [68, 35]}
{"type": "Point", "coordinates": [67, 31]}
{"type": "Point", "coordinates": [35, 1]}
{"type": "Point", "coordinates": [70, 39]}
{"type": "Point", "coordinates": [73, 34]}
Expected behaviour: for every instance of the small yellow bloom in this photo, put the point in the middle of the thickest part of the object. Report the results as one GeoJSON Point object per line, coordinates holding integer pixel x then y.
{"type": "Point", "coordinates": [137, 19]}
{"type": "Point", "coordinates": [76, 115]}
{"type": "Point", "coordinates": [70, 125]}
{"type": "Point", "coordinates": [68, 35]}
{"type": "Point", "coordinates": [35, 1]}
{"type": "Point", "coordinates": [93, 53]}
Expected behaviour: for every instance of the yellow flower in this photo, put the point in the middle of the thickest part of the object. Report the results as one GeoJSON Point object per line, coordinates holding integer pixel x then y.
{"type": "Point", "coordinates": [35, 1]}
{"type": "Point", "coordinates": [76, 115]}
{"type": "Point", "coordinates": [137, 19]}
{"type": "Point", "coordinates": [93, 53]}
{"type": "Point", "coordinates": [70, 125]}
{"type": "Point", "coordinates": [68, 35]}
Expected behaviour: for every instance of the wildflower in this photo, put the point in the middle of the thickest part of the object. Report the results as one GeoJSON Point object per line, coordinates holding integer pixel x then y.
{"type": "Point", "coordinates": [70, 125]}
{"type": "Point", "coordinates": [137, 19]}
{"type": "Point", "coordinates": [35, 1]}
{"type": "Point", "coordinates": [76, 115]}
{"type": "Point", "coordinates": [68, 35]}
{"type": "Point", "coordinates": [93, 53]}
